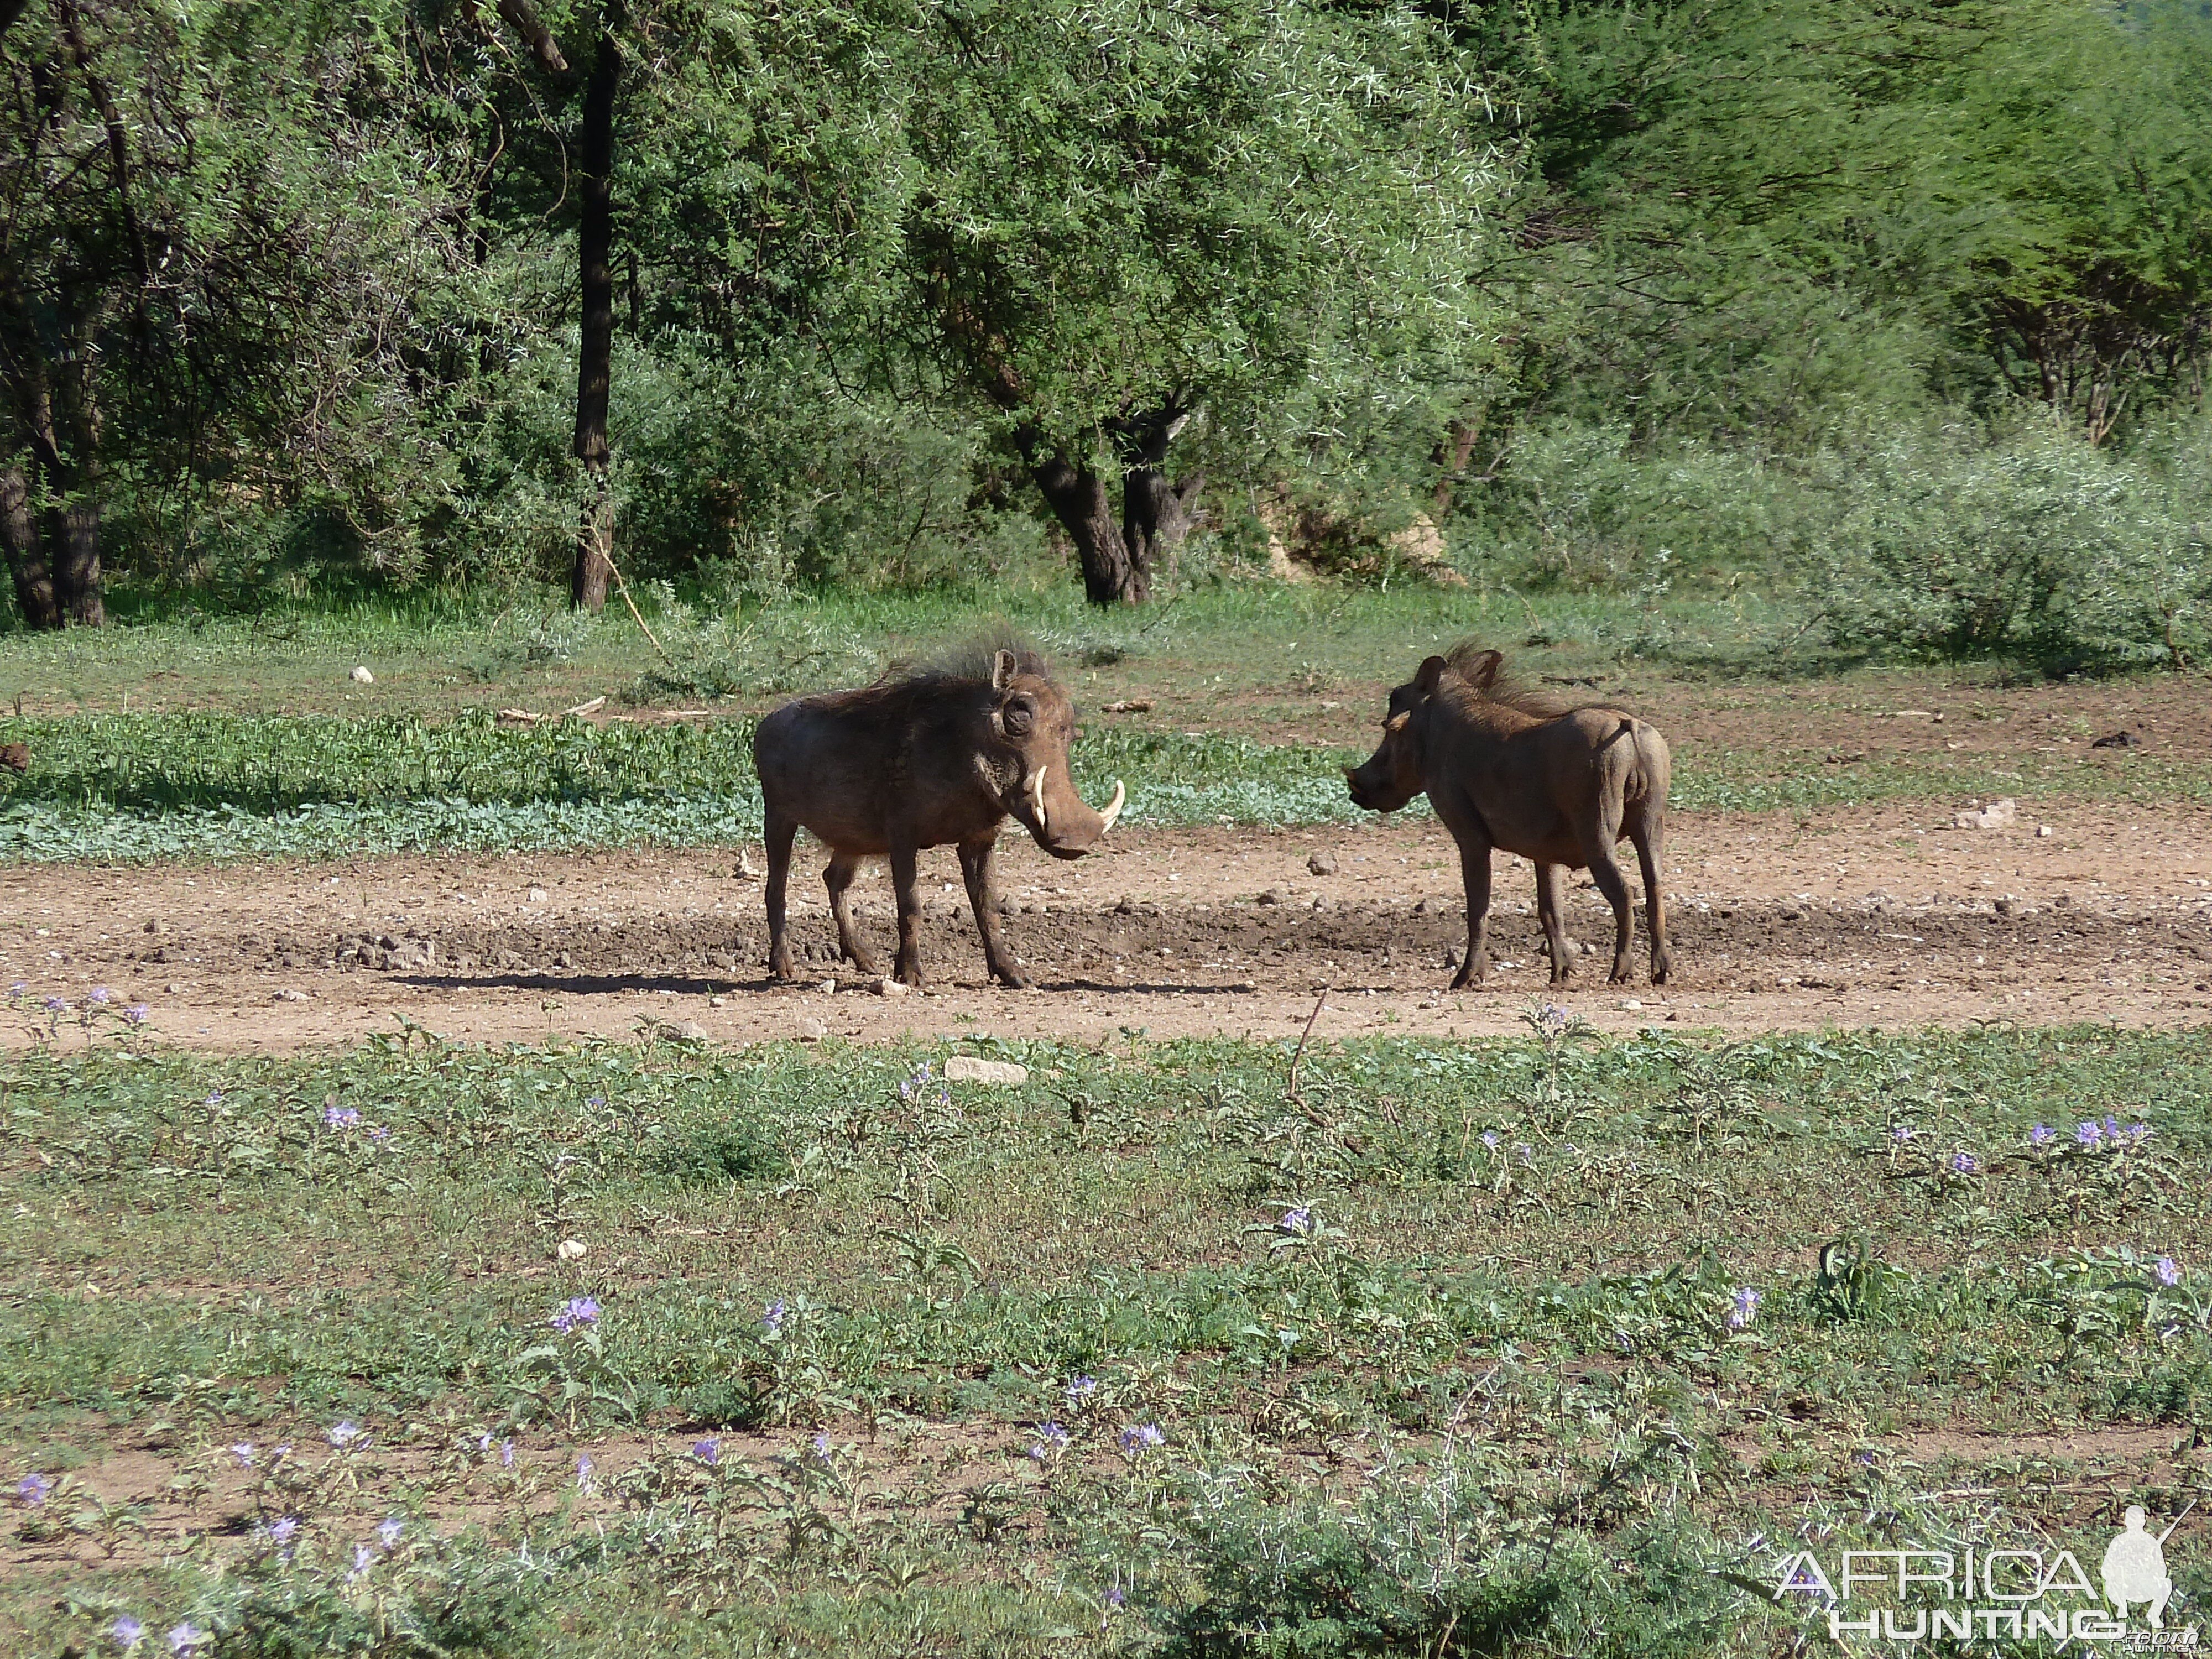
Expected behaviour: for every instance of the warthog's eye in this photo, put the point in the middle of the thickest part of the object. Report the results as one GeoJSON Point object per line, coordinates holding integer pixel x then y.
{"type": "Point", "coordinates": [1020, 716]}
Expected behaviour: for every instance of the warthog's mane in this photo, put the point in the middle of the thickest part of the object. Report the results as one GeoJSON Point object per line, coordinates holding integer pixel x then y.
{"type": "Point", "coordinates": [1484, 684]}
{"type": "Point", "coordinates": [962, 667]}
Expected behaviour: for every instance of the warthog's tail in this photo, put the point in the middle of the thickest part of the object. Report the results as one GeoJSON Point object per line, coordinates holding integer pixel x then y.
{"type": "Point", "coordinates": [1649, 779]}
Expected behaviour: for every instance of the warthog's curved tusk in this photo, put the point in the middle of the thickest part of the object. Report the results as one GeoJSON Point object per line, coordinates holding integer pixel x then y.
{"type": "Point", "coordinates": [1114, 806]}
{"type": "Point", "coordinates": [1037, 796]}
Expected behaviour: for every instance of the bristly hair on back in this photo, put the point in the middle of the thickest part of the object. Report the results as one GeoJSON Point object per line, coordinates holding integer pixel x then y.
{"type": "Point", "coordinates": [1468, 662]}
{"type": "Point", "coordinates": [967, 663]}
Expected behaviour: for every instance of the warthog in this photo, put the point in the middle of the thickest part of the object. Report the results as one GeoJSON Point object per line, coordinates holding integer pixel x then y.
{"type": "Point", "coordinates": [1558, 783]}
{"type": "Point", "coordinates": [917, 760]}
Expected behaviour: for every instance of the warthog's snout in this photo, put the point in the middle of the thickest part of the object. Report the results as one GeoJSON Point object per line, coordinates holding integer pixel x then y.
{"type": "Point", "coordinates": [1059, 820]}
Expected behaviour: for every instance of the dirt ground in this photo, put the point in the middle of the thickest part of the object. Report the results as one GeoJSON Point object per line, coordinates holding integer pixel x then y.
{"type": "Point", "coordinates": [1872, 917]}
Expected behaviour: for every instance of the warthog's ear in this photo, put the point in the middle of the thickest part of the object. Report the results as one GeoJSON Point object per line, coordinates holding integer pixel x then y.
{"type": "Point", "coordinates": [1398, 722]}
{"type": "Point", "coordinates": [1431, 671]}
{"type": "Point", "coordinates": [1482, 672]}
{"type": "Point", "coordinates": [1002, 669]}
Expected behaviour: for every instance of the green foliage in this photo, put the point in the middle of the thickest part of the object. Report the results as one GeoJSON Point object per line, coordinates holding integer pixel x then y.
{"type": "Point", "coordinates": [2041, 548]}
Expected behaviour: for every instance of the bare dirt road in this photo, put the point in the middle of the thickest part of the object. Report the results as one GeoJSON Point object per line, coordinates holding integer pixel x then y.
{"type": "Point", "coordinates": [1882, 916]}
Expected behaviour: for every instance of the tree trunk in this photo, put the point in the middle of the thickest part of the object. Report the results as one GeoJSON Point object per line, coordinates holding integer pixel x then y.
{"type": "Point", "coordinates": [594, 366]}
{"type": "Point", "coordinates": [27, 552]}
{"type": "Point", "coordinates": [1155, 515]}
{"type": "Point", "coordinates": [1452, 452]}
{"type": "Point", "coordinates": [1077, 498]}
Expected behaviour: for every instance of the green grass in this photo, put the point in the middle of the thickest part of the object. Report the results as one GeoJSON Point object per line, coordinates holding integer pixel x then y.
{"type": "Point", "coordinates": [432, 655]}
{"type": "Point", "coordinates": [1528, 1345]}
{"type": "Point", "coordinates": [133, 787]}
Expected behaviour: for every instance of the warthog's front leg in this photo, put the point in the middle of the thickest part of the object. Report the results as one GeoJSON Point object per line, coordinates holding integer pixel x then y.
{"type": "Point", "coordinates": [975, 867]}
{"type": "Point", "coordinates": [907, 970]}
{"type": "Point", "coordinates": [1474, 876]}
{"type": "Point", "coordinates": [838, 879]}
{"type": "Point", "coordinates": [776, 836]}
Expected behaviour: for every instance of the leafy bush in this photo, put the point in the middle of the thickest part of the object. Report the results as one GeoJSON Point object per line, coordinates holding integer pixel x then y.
{"type": "Point", "coordinates": [2037, 546]}
{"type": "Point", "coordinates": [1431, 1559]}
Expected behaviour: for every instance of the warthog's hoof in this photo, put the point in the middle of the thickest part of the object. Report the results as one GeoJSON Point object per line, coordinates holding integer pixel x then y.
{"type": "Point", "coordinates": [1012, 978]}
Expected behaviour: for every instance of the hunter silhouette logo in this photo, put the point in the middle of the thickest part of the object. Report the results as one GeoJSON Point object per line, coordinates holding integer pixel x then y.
{"type": "Point", "coordinates": [1996, 1593]}
{"type": "Point", "coordinates": [2134, 1570]}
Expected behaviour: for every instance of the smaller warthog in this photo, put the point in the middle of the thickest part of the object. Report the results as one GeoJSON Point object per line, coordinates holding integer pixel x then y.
{"type": "Point", "coordinates": [923, 759]}
{"type": "Point", "coordinates": [1557, 782]}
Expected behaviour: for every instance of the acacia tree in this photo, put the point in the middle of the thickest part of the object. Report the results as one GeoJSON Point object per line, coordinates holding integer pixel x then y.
{"type": "Point", "coordinates": [182, 232]}
{"type": "Point", "coordinates": [1124, 218]}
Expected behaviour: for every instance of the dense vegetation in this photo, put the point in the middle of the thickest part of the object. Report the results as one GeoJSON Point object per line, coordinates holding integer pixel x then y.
{"type": "Point", "coordinates": [1900, 308]}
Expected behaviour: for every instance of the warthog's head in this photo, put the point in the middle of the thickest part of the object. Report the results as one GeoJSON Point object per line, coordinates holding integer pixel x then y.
{"type": "Point", "coordinates": [1393, 774]}
{"type": "Point", "coordinates": [1031, 724]}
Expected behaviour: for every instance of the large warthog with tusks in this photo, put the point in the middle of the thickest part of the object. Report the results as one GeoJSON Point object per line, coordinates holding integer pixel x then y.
{"type": "Point", "coordinates": [1505, 767]}
{"type": "Point", "coordinates": [922, 758]}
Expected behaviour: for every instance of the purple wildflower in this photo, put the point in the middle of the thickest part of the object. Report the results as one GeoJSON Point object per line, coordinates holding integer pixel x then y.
{"type": "Point", "coordinates": [2089, 1135]}
{"type": "Point", "coordinates": [577, 1310]}
{"type": "Point", "coordinates": [340, 1117]}
{"type": "Point", "coordinates": [822, 1447]}
{"type": "Point", "coordinates": [100, 997]}
{"type": "Point", "coordinates": [2167, 1272]}
{"type": "Point", "coordinates": [34, 1488]}
{"type": "Point", "coordinates": [1964, 1163]}
{"type": "Point", "coordinates": [345, 1434]}
{"type": "Point", "coordinates": [2042, 1135]}
{"type": "Point", "coordinates": [1743, 1308]}
{"type": "Point", "coordinates": [2138, 1132]}
{"type": "Point", "coordinates": [507, 1453]}
{"type": "Point", "coordinates": [1298, 1219]}
{"type": "Point", "coordinates": [708, 1451]}
{"type": "Point", "coordinates": [1143, 1437]}
{"type": "Point", "coordinates": [243, 1451]}
{"type": "Point", "coordinates": [1901, 1132]}
{"type": "Point", "coordinates": [1115, 1597]}
{"type": "Point", "coordinates": [1051, 1438]}
{"type": "Point", "coordinates": [186, 1637]}
{"type": "Point", "coordinates": [1081, 1389]}
{"type": "Point", "coordinates": [595, 1100]}
{"type": "Point", "coordinates": [363, 1559]}
{"type": "Point", "coordinates": [380, 1132]}
{"type": "Point", "coordinates": [772, 1316]}
{"type": "Point", "coordinates": [584, 1468]}
{"type": "Point", "coordinates": [282, 1527]}
{"type": "Point", "coordinates": [215, 1097]}
{"type": "Point", "coordinates": [56, 1006]}
{"type": "Point", "coordinates": [1490, 1138]}
{"type": "Point", "coordinates": [1527, 1152]}
{"type": "Point", "coordinates": [126, 1632]}
{"type": "Point", "coordinates": [388, 1534]}
{"type": "Point", "coordinates": [137, 1014]}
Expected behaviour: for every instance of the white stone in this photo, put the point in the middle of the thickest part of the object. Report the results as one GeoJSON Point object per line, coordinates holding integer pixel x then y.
{"type": "Point", "coordinates": [571, 1249]}
{"type": "Point", "coordinates": [966, 1068]}
{"type": "Point", "coordinates": [360, 675]}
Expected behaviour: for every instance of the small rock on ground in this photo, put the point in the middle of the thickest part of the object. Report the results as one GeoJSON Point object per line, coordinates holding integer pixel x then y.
{"type": "Point", "coordinates": [966, 1068]}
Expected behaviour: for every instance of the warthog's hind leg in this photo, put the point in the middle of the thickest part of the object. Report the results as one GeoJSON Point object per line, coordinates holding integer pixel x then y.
{"type": "Point", "coordinates": [975, 867]}
{"type": "Point", "coordinates": [838, 879]}
{"type": "Point", "coordinates": [777, 835]}
{"type": "Point", "coordinates": [1474, 876]}
{"type": "Point", "coordinates": [908, 969]}
{"type": "Point", "coordinates": [1648, 831]}
{"type": "Point", "coordinates": [1598, 837]}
